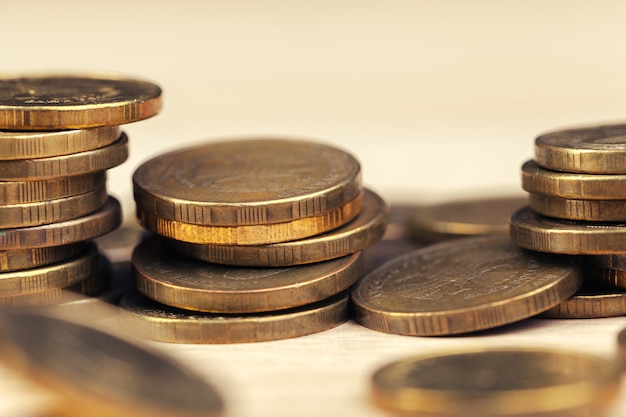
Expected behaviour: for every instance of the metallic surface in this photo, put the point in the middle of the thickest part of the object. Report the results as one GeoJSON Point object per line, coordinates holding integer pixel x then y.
{"type": "Point", "coordinates": [14, 260]}
{"type": "Point", "coordinates": [461, 286]}
{"type": "Point", "coordinates": [31, 191]}
{"type": "Point", "coordinates": [587, 305]}
{"type": "Point", "coordinates": [615, 261]}
{"type": "Point", "coordinates": [570, 209]}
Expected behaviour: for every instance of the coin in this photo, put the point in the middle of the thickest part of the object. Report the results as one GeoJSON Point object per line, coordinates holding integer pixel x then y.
{"type": "Point", "coordinates": [615, 261]}
{"type": "Point", "coordinates": [592, 150]}
{"type": "Point", "coordinates": [25, 145]}
{"type": "Point", "coordinates": [187, 283]}
{"type": "Point", "coordinates": [538, 180]}
{"type": "Point", "coordinates": [247, 182]}
{"type": "Point", "coordinates": [99, 374]}
{"type": "Point", "coordinates": [569, 209]}
{"type": "Point", "coordinates": [151, 320]}
{"type": "Point", "coordinates": [14, 260]}
{"type": "Point", "coordinates": [364, 230]}
{"type": "Point", "coordinates": [252, 234]}
{"type": "Point", "coordinates": [74, 164]}
{"type": "Point", "coordinates": [546, 234]}
{"type": "Point", "coordinates": [52, 211]}
{"type": "Point", "coordinates": [31, 191]}
{"type": "Point", "coordinates": [461, 286]}
{"type": "Point", "coordinates": [590, 304]}
{"type": "Point", "coordinates": [80, 229]}
{"type": "Point", "coordinates": [74, 101]}
{"type": "Point", "coordinates": [606, 277]}
{"type": "Point", "coordinates": [497, 382]}
{"type": "Point", "coordinates": [484, 216]}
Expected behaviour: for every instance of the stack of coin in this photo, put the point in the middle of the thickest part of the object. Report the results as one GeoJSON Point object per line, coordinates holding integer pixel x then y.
{"type": "Point", "coordinates": [58, 136]}
{"type": "Point", "coordinates": [255, 239]}
{"type": "Point", "coordinates": [577, 205]}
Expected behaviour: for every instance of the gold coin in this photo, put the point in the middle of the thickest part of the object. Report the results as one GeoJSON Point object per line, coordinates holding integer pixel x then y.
{"type": "Point", "coordinates": [485, 216]}
{"type": "Point", "coordinates": [23, 192]}
{"type": "Point", "coordinates": [590, 304]}
{"type": "Point", "coordinates": [461, 286]}
{"type": "Point", "coordinates": [178, 281]}
{"type": "Point", "coordinates": [252, 234]}
{"type": "Point", "coordinates": [569, 209]}
{"type": "Point", "coordinates": [59, 275]}
{"type": "Point", "coordinates": [99, 374]}
{"type": "Point", "coordinates": [497, 382]}
{"type": "Point", "coordinates": [46, 212]}
{"type": "Point", "coordinates": [65, 165]}
{"type": "Point", "coordinates": [606, 277]}
{"type": "Point", "coordinates": [14, 260]}
{"type": "Point", "coordinates": [592, 150]}
{"type": "Point", "coordinates": [83, 228]}
{"type": "Point", "coordinates": [615, 261]}
{"type": "Point", "coordinates": [72, 101]}
{"type": "Point", "coordinates": [546, 234]}
{"type": "Point", "coordinates": [538, 180]}
{"type": "Point", "coordinates": [364, 230]}
{"type": "Point", "coordinates": [247, 182]}
{"type": "Point", "coordinates": [151, 320]}
{"type": "Point", "coordinates": [26, 145]}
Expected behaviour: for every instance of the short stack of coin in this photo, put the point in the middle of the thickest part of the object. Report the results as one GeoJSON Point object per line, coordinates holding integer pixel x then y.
{"type": "Point", "coordinates": [577, 205]}
{"type": "Point", "coordinates": [58, 136]}
{"type": "Point", "coordinates": [255, 239]}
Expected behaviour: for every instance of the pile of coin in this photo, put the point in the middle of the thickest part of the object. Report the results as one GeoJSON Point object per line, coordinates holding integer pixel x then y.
{"type": "Point", "coordinates": [58, 136]}
{"type": "Point", "coordinates": [254, 239]}
{"type": "Point", "coordinates": [577, 206]}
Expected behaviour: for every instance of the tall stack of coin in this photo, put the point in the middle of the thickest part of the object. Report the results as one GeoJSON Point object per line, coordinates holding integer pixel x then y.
{"type": "Point", "coordinates": [577, 205]}
{"type": "Point", "coordinates": [256, 239]}
{"type": "Point", "coordinates": [58, 136]}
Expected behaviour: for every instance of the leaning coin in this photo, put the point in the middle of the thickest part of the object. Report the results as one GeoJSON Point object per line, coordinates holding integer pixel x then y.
{"type": "Point", "coordinates": [592, 150]}
{"type": "Point", "coordinates": [65, 165]}
{"type": "Point", "coordinates": [74, 101]}
{"type": "Point", "coordinates": [151, 320]}
{"type": "Point", "coordinates": [247, 182]}
{"type": "Point", "coordinates": [367, 228]}
{"type": "Point", "coordinates": [570, 209]}
{"type": "Point", "coordinates": [485, 216]}
{"type": "Point", "coordinates": [461, 286]}
{"type": "Point", "coordinates": [546, 234]}
{"type": "Point", "coordinates": [498, 382]}
{"type": "Point", "coordinates": [191, 284]}
{"type": "Point", "coordinates": [27, 145]}
{"type": "Point", "coordinates": [32, 191]}
{"type": "Point", "coordinates": [99, 374]}
{"type": "Point", "coordinates": [14, 260]}
{"type": "Point", "coordinates": [105, 220]}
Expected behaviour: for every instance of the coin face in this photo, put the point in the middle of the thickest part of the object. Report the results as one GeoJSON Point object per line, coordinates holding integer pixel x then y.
{"type": "Point", "coordinates": [247, 182]}
{"type": "Point", "coordinates": [56, 102]}
{"type": "Point", "coordinates": [461, 286]}
{"type": "Point", "coordinates": [497, 382]}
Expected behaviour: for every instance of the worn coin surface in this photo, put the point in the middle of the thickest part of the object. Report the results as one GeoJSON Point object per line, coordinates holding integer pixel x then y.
{"type": "Point", "coordinates": [14, 260]}
{"type": "Point", "coordinates": [151, 320]}
{"type": "Point", "coordinates": [592, 150]}
{"type": "Point", "coordinates": [367, 228]}
{"type": "Point", "coordinates": [461, 286]}
{"type": "Point", "coordinates": [247, 182]}
{"type": "Point", "coordinates": [546, 234]}
{"type": "Point", "coordinates": [31, 191]}
{"type": "Point", "coordinates": [497, 382]}
{"type": "Point", "coordinates": [179, 281]}
{"type": "Point", "coordinates": [570, 209]}
{"type": "Point", "coordinates": [74, 101]}
{"type": "Point", "coordinates": [485, 216]}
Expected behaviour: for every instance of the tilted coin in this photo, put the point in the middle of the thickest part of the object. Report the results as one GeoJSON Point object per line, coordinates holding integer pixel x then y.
{"type": "Point", "coordinates": [570, 209]}
{"type": "Point", "coordinates": [151, 320]}
{"type": "Point", "coordinates": [461, 286]}
{"type": "Point", "coordinates": [26, 145]}
{"type": "Point", "coordinates": [52, 211]}
{"type": "Point", "coordinates": [31, 191]}
{"type": "Point", "coordinates": [74, 101]}
{"type": "Point", "coordinates": [367, 228]}
{"type": "Point", "coordinates": [546, 234]}
{"type": "Point", "coordinates": [590, 305]}
{"type": "Point", "coordinates": [593, 150]}
{"type": "Point", "coordinates": [14, 260]}
{"type": "Point", "coordinates": [73, 164]}
{"type": "Point", "coordinates": [247, 182]}
{"type": "Point", "coordinates": [172, 279]}
{"type": "Point", "coordinates": [497, 382]}
{"type": "Point", "coordinates": [99, 374]}
{"type": "Point", "coordinates": [252, 234]}
{"type": "Point", "coordinates": [83, 228]}
{"type": "Point", "coordinates": [485, 216]}
{"type": "Point", "coordinates": [538, 180]}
